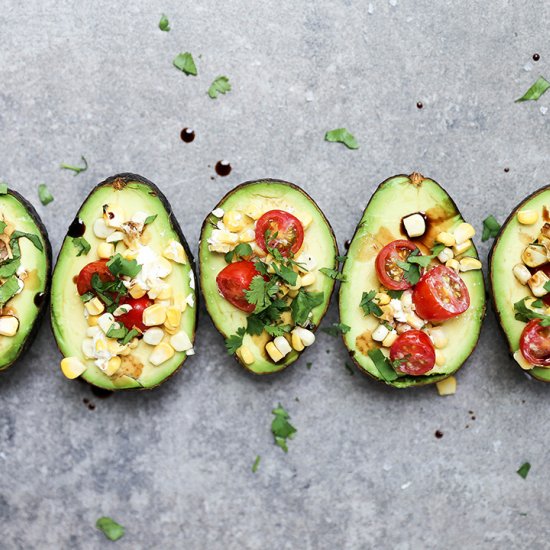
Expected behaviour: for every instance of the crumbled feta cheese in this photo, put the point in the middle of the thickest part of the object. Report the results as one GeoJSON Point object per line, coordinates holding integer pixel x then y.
{"type": "Point", "coordinates": [218, 212]}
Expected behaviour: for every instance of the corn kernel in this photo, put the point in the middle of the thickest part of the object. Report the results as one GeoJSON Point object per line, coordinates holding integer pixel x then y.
{"type": "Point", "coordinates": [129, 254]}
{"type": "Point", "coordinates": [445, 255]}
{"type": "Point", "coordinates": [105, 321]}
{"type": "Point", "coordinates": [137, 291]}
{"type": "Point", "coordinates": [72, 367]}
{"type": "Point", "coordinates": [380, 333]}
{"type": "Point", "coordinates": [438, 337]}
{"type": "Point", "coordinates": [105, 250]}
{"type": "Point", "coordinates": [447, 386]}
{"type": "Point", "coordinates": [448, 239]}
{"type": "Point", "coordinates": [463, 233]}
{"type": "Point", "coordinates": [281, 343]}
{"type": "Point", "coordinates": [298, 284]}
{"type": "Point", "coordinates": [161, 354]}
{"type": "Point", "coordinates": [415, 321]}
{"type": "Point", "coordinates": [382, 299]}
{"type": "Point", "coordinates": [175, 252]}
{"type": "Point", "coordinates": [522, 362]}
{"type": "Point", "coordinates": [234, 221]}
{"type": "Point", "coordinates": [521, 273]}
{"type": "Point", "coordinates": [273, 352]}
{"type": "Point", "coordinates": [306, 336]}
{"type": "Point", "coordinates": [246, 356]}
{"type": "Point", "coordinates": [173, 317]}
{"type": "Point", "coordinates": [247, 236]}
{"type": "Point", "coordinates": [453, 264]}
{"type": "Point", "coordinates": [112, 365]}
{"type": "Point", "coordinates": [94, 306]}
{"type": "Point", "coordinates": [528, 217]}
{"type": "Point", "coordinates": [154, 315]}
{"type": "Point", "coordinates": [88, 348]}
{"type": "Point", "coordinates": [390, 339]}
{"type": "Point", "coordinates": [469, 264]}
{"type": "Point", "coordinates": [459, 249]}
{"type": "Point", "coordinates": [297, 342]}
{"type": "Point", "coordinates": [293, 293]}
{"type": "Point", "coordinates": [308, 279]}
{"type": "Point", "coordinates": [180, 301]}
{"type": "Point", "coordinates": [180, 341]}
{"type": "Point", "coordinates": [534, 255]}
{"type": "Point", "coordinates": [115, 237]}
{"type": "Point", "coordinates": [439, 358]}
{"type": "Point", "coordinates": [9, 325]}
{"type": "Point", "coordinates": [113, 216]}
{"type": "Point", "coordinates": [101, 230]}
{"type": "Point", "coordinates": [164, 267]}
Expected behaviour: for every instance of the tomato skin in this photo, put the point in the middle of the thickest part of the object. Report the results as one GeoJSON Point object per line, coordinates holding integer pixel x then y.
{"type": "Point", "coordinates": [289, 229]}
{"type": "Point", "coordinates": [440, 295]}
{"type": "Point", "coordinates": [535, 343]}
{"type": "Point", "coordinates": [233, 280]}
{"type": "Point", "coordinates": [385, 261]}
{"type": "Point", "coordinates": [134, 318]}
{"type": "Point", "coordinates": [417, 347]}
{"type": "Point", "coordinates": [84, 279]}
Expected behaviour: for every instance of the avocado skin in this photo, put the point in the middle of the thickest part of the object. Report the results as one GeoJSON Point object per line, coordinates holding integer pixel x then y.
{"type": "Point", "coordinates": [420, 380]}
{"type": "Point", "coordinates": [207, 220]}
{"type": "Point", "coordinates": [48, 256]}
{"type": "Point", "coordinates": [121, 180]}
{"type": "Point", "coordinates": [493, 248]}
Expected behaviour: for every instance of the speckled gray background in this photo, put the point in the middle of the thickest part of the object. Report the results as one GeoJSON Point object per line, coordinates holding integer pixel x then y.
{"type": "Point", "coordinates": [174, 465]}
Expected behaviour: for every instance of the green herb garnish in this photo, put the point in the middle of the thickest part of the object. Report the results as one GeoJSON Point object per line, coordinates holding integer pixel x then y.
{"type": "Point", "coordinates": [235, 341]}
{"type": "Point", "coordinates": [395, 294]}
{"type": "Point", "coordinates": [150, 219]}
{"type": "Point", "coordinates": [383, 365]}
{"type": "Point", "coordinates": [332, 273]}
{"type": "Point", "coordinates": [336, 328]}
{"type": "Point", "coordinates": [242, 250]}
{"type": "Point", "coordinates": [303, 305]}
{"type": "Point", "coordinates": [9, 289]}
{"type": "Point", "coordinates": [219, 86]}
{"type": "Point", "coordinates": [3, 188]}
{"type": "Point", "coordinates": [35, 240]}
{"type": "Point", "coordinates": [437, 248]}
{"type": "Point", "coordinates": [369, 305]}
{"type": "Point", "coordinates": [164, 24]}
{"type": "Point", "coordinates": [256, 464]}
{"type": "Point", "coordinates": [535, 91]}
{"type": "Point", "coordinates": [44, 194]}
{"type": "Point", "coordinates": [281, 428]}
{"type": "Point", "coordinates": [76, 169]}
{"type": "Point", "coordinates": [119, 266]}
{"type": "Point", "coordinates": [524, 469]}
{"type": "Point", "coordinates": [490, 228]}
{"type": "Point", "coordinates": [82, 245]}
{"type": "Point", "coordinates": [87, 296]}
{"type": "Point", "coordinates": [185, 63]}
{"type": "Point", "coordinates": [341, 135]}
{"type": "Point", "coordinates": [525, 314]}
{"type": "Point", "coordinates": [110, 528]}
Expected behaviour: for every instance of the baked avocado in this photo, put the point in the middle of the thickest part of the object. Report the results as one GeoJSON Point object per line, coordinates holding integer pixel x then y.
{"type": "Point", "coordinates": [267, 258]}
{"type": "Point", "coordinates": [25, 264]}
{"type": "Point", "coordinates": [123, 307]}
{"type": "Point", "coordinates": [519, 271]}
{"type": "Point", "coordinates": [412, 290]}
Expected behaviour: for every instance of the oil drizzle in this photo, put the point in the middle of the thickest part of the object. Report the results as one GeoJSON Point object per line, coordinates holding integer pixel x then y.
{"type": "Point", "coordinates": [77, 228]}
{"type": "Point", "coordinates": [187, 135]}
{"type": "Point", "coordinates": [223, 168]}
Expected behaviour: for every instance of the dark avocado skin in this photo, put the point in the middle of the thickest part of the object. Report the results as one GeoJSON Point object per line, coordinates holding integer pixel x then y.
{"type": "Point", "coordinates": [421, 380]}
{"type": "Point", "coordinates": [300, 190]}
{"type": "Point", "coordinates": [48, 253]}
{"type": "Point", "coordinates": [120, 181]}
{"type": "Point", "coordinates": [493, 248]}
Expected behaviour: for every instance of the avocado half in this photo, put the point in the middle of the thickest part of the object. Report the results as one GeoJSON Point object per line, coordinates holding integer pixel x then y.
{"type": "Point", "coordinates": [133, 193]}
{"type": "Point", "coordinates": [505, 254]}
{"type": "Point", "coordinates": [319, 241]}
{"type": "Point", "coordinates": [381, 224]}
{"type": "Point", "coordinates": [29, 305]}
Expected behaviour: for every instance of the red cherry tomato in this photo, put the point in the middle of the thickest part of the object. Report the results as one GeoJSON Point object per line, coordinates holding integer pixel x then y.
{"type": "Point", "coordinates": [414, 352]}
{"type": "Point", "coordinates": [389, 273]}
{"type": "Point", "coordinates": [535, 343]}
{"type": "Point", "coordinates": [286, 232]}
{"type": "Point", "coordinates": [134, 318]}
{"type": "Point", "coordinates": [84, 279]}
{"type": "Point", "coordinates": [233, 280]}
{"type": "Point", "coordinates": [440, 295]}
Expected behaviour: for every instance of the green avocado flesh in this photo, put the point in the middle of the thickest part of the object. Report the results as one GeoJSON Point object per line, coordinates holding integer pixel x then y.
{"type": "Point", "coordinates": [26, 305]}
{"type": "Point", "coordinates": [506, 253]}
{"type": "Point", "coordinates": [319, 243]}
{"type": "Point", "coordinates": [381, 224]}
{"type": "Point", "coordinates": [131, 194]}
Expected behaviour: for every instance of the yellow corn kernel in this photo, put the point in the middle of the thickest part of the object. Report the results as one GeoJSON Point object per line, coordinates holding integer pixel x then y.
{"type": "Point", "coordinates": [246, 356]}
{"type": "Point", "coordinates": [297, 342]}
{"type": "Point", "coordinates": [72, 367]}
{"type": "Point", "coordinates": [9, 325]}
{"type": "Point", "coordinates": [100, 345]}
{"type": "Point", "coordinates": [165, 293]}
{"type": "Point", "coordinates": [179, 300]}
{"type": "Point", "coordinates": [293, 293]}
{"type": "Point", "coordinates": [161, 353]}
{"type": "Point", "coordinates": [247, 236]}
{"type": "Point", "coordinates": [453, 264]}
{"type": "Point", "coordinates": [105, 250]}
{"type": "Point", "coordinates": [113, 365]}
{"type": "Point", "coordinates": [448, 239]}
{"type": "Point", "coordinates": [389, 339]}
{"type": "Point", "coordinates": [460, 248]}
{"type": "Point", "coordinates": [154, 315]}
{"type": "Point", "coordinates": [447, 386]}
{"type": "Point", "coordinates": [273, 352]}
{"type": "Point", "coordinates": [173, 317]}
{"type": "Point", "coordinates": [438, 337]}
{"type": "Point", "coordinates": [464, 232]}
{"type": "Point", "coordinates": [175, 252]}
{"type": "Point", "coordinates": [469, 264]}
{"type": "Point", "coordinates": [234, 221]}
{"type": "Point", "coordinates": [254, 211]}
{"type": "Point", "coordinates": [439, 358]}
{"type": "Point", "coordinates": [308, 279]}
{"type": "Point", "coordinates": [522, 362]}
{"type": "Point", "coordinates": [283, 290]}
{"type": "Point", "coordinates": [382, 299]}
{"type": "Point", "coordinates": [137, 291]}
{"type": "Point", "coordinates": [528, 217]}
{"type": "Point", "coordinates": [94, 306]}
{"type": "Point", "coordinates": [164, 267]}
{"type": "Point", "coordinates": [114, 347]}
{"type": "Point", "coordinates": [129, 254]}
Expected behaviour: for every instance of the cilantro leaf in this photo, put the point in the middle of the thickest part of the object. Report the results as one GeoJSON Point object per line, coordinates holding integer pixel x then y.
{"type": "Point", "coordinates": [254, 325]}
{"type": "Point", "coordinates": [535, 91]}
{"type": "Point", "coordinates": [341, 259]}
{"type": "Point", "coordinates": [150, 219]}
{"type": "Point", "coordinates": [524, 469]}
{"type": "Point", "coordinates": [219, 86]}
{"type": "Point", "coordinates": [256, 464]}
{"type": "Point", "coordinates": [3, 188]}
{"type": "Point", "coordinates": [119, 266]}
{"type": "Point", "coordinates": [9, 289]}
{"type": "Point", "coordinates": [235, 341]}
{"type": "Point", "coordinates": [369, 305]}
{"type": "Point", "coordinates": [525, 314]}
{"type": "Point", "coordinates": [242, 250]}
{"type": "Point", "coordinates": [284, 272]}
{"type": "Point", "coordinates": [341, 135]}
{"type": "Point", "coordinates": [411, 266]}
{"type": "Point", "coordinates": [44, 194]}
{"type": "Point", "coordinates": [303, 305]}
{"type": "Point", "coordinates": [130, 335]}
{"type": "Point", "coordinates": [110, 528]}
{"type": "Point", "coordinates": [277, 330]}
{"type": "Point", "coordinates": [35, 240]}
{"type": "Point", "coordinates": [395, 294]}
{"type": "Point", "coordinates": [261, 292]}
{"type": "Point", "coordinates": [164, 24]}
{"type": "Point", "coordinates": [87, 296]}
{"type": "Point", "coordinates": [336, 328]}
{"type": "Point", "coordinates": [547, 288]}
{"type": "Point", "coordinates": [116, 332]}
{"type": "Point", "coordinates": [490, 228]}
{"type": "Point", "coordinates": [185, 63]}
{"type": "Point", "coordinates": [82, 245]}
{"type": "Point", "coordinates": [437, 248]}
{"type": "Point", "coordinates": [332, 273]}
{"type": "Point", "coordinates": [281, 428]}
{"type": "Point", "coordinates": [75, 169]}
{"type": "Point", "coordinates": [383, 365]}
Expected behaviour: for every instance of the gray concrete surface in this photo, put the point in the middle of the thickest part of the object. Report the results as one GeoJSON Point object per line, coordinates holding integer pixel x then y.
{"type": "Point", "coordinates": [174, 465]}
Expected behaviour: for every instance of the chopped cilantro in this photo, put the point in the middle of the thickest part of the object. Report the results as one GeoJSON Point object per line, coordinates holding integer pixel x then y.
{"type": "Point", "coordinates": [82, 245]}
{"type": "Point", "coordinates": [87, 296]}
{"type": "Point", "coordinates": [490, 228]}
{"type": "Point", "coordinates": [242, 250]}
{"type": "Point", "coordinates": [411, 266]}
{"type": "Point", "coordinates": [277, 330]}
{"type": "Point", "coordinates": [219, 86]}
{"type": "Point", "coordinates": [235, 341]}
{"type": "Point", "coordinates": [185, 63]}
{"type": "Point", "coordinates": [164, 24]}
{"type": "Point", "coordinates": [75, 169]}
{"type": "Point", "coordinates": [281, 428]}
{"type": "Point", "coordinates": [395, 294]}
{"type": "Point", "coordinates": [336, 328]}
{"type": "Point", "coordinates": [110, 528]}
{"type": "Point", "coordinates": [341, 135]}
{"type": "Point", "coordinates": [309, 365]}
{"type": "Point", "coordinates": [340, 259]}
{"type": "Point", "coordinates": [303, 304]}
{"type": "Point", "coordinates": [116, 332]}
{"type": "Point", "coordinates": [332, 273]}
{"type": "Point", "coordinates": [525, 314]}
{"type": "Point", "coordinates": [261, 292]}
{"type": "Point", "coordinates": [524, 469]}
{"type": "Point", "coordinates": [437, 249]}
{"type": "Point", "coordinates": [44, 194]}
{"type": "Point", "coordinates": [535, 91]}
{"type": "Point", "coordinates": [35, 240]}
{"type": "Point", "coordinates": [383, 365]}
{"type": "Point", "coordinates": [547, 288]}
{"type": "Point", "coordinates": [150, 219]}
{"type": "Point", "coordinates": [256, 464]}
{"type": "Point", "coordinates": [9, 288]}
{"type": "Point", "coordinates": [119, 266]}
{"type": "Point", "coordinates": [288, 275]}
{"type": "Point", "coordinates": [369, 305]}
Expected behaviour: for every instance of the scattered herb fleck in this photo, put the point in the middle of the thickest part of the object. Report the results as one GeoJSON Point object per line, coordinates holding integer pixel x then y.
{"type": "Point", "coordinates": [76, 169]}
{"type": "Point", "coordinates": [219, 86]}
{"type": "Point", "coordinates": [256, 464]}
{"type": "Point", "coordinates": [82, 246]}
{"type": "Point", "coordinates": [185, 63]}
{"type": "Point", "coordinates": [44, 194]}
{"type": "Point", "coordinates": [341, 135]}
{"type": "Point", "coordinates": [110, 528]}
{"type": "Point", "coordinates": [164, 24]}
{"type": "Point", "coordinates": [369, 305]}
{"type": "Point", "coordinates": [490, 228]}
{"type": "Point", "coordinates": [336, 328]}
{"type": "Point", "coordinates": [523, 470]}
{"type": "Point", "coordinates": [332, 273]}
{"type": "Point", "coordinates": [235, 341]}
{"type": "Point", "coordinates": [281, 428]}
{"type": "Point", "coordinates": [535, 91]}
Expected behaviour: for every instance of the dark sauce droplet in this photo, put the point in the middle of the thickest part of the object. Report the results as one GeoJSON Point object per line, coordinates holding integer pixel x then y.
{"type": "Point", "coordinates": [347, 244]}
{"type": "Point", "coordinates": [187, 135]}
{"type": "Point", "coordinates": [77, 228]}
{"type": "Point", "coordinates": [39, 298]}
{"type": "Point", "coordinates": [536, 57]}
{"type": "Point", "coordinates": [223, 168]}
{"type": "Point", "coordinates": [438, 434]}
{"type": "Point", "coordinates": [101, 393]}
{"type": "Point", "coordinates": [507, 170]}
{"type": "Point", "coordinates": [91, 406]}
{"type": "Point", "coordinates": [419, 105]}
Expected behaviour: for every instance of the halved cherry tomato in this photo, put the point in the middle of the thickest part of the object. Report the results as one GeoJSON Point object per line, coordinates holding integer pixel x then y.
{"type": "Point", "coordinates": [286, 232]}
{"type": "Point", "coordinates": [84, 279]}
{"type": "Point", "coordinates": [535, 343]}
{"type": "Point", "coordinates": [389, 273]}
{"type": "Point", "coordinates": [233, 280]}
{"type": "Point", "coordinates": [414, 353]}
{"type": "Point", "coordinates": [440, 295]}
{"type": "Point", "coordinates": [134, 318]}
